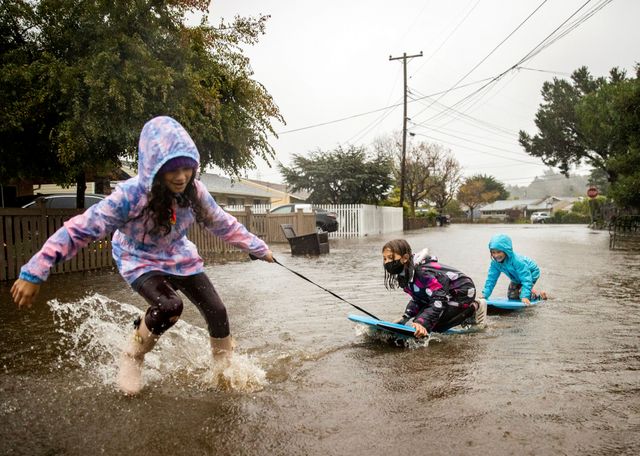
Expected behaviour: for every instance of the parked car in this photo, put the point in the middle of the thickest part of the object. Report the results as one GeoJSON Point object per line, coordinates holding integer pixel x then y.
{"type": "Point", "coordinates": [325, 220]}
{"type": "Point", "coordinates": [443, 219]}
{"type": "Point", "coordinates": [540, 217]}
{"type": "Point", "coordinates": [65, 201]}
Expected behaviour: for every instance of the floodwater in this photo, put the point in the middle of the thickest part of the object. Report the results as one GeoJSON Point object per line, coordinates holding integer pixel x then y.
{"type": "Point", "coordinates": [559, 378]}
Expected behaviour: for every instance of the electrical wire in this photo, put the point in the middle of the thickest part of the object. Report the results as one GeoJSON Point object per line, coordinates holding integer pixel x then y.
{"type": "Point", "coordinates": [470, 120]}
{"type": "Point", "coordinates": [342, 119]}
{"type": "Point", "coordinates": [479, 151]}
{"type": "Point", "coordinates": [489, 54]}
{"type": "Point", "coordinates": [546, 42]}
{"type": "Point", "coordinates": [445, 40]}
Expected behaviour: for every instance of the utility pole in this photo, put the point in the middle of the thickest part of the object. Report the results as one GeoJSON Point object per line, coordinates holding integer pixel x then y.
{"type": "Point", "coordinates": [404, 122]}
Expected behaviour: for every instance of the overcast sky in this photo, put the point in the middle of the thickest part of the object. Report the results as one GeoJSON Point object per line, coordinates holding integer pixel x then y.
{"type": "Point", "coordinates": [323, 61]}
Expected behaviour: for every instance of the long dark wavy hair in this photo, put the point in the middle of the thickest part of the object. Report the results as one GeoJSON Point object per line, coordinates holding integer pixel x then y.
{"type": "Point", "coordinates": [392, 281]}
{"type": "Point", "coordinates": [160, 203]}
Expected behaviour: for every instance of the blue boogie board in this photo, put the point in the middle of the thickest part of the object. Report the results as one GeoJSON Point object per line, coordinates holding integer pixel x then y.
{"type": "Point", "coordinates": [509, 304]}
{"type": "Point", "coordinates": [398, 330]}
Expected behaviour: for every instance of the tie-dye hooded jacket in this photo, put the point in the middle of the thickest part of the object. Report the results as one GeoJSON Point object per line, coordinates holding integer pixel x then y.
{"type": "Point", "coordinates": [519, 268]}
{"type": "Point", "coordinates": [135, 250]}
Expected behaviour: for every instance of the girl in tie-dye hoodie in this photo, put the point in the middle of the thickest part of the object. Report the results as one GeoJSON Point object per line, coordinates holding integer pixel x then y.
{"type": "Point", "coordinates": [149, 216]}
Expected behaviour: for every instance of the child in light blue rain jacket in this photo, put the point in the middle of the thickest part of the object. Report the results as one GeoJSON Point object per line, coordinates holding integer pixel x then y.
{"type": "Point", "coordinates": [521, 270]}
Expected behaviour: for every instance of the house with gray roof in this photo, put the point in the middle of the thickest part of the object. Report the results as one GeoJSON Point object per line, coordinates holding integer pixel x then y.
{"type": "Point", "coordinates": [502, 208]}
{"type": "Point", "coordinates": [280, 193]}
{"type": "Point", "coordinates": [233, 193]}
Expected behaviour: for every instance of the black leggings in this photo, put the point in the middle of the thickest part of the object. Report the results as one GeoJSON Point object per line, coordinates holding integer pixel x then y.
{"type": "Point", "coordinates": [459, 308]}
{"type": "Point", "coordinates": [166, 306]}
{"type": "Point", "coordinates": [513, 292]}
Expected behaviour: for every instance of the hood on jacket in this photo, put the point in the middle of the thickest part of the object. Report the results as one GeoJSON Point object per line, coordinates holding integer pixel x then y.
{"type": "Point", "coordinates": [502, 242]}
{"type": "Point", "coordinates": [161, 139]}
{"type": "Point", "coordinates": [421, 256]}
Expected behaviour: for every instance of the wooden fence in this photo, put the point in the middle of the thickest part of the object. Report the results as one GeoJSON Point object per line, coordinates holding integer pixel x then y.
{"type": "Point", "coordinates": [24, 231]}
{"type": "Point", "coordinates": [624, 232]}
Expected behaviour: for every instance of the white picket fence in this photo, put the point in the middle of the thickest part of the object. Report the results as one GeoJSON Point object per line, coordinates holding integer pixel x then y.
{"type": "Point", "coordinates": [358, 220]}
{"type": "Point", "coordinates": [354, 220]}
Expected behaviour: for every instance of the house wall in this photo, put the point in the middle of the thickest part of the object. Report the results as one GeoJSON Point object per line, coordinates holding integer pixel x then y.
{"type": "Point", "coordinates": [239, 200]}
{"type": "Point", "coordinates": [502, 215]}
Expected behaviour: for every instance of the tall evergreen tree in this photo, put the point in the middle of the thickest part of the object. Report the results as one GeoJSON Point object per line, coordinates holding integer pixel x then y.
{"type": "Point", "coordinates": [341, 176]}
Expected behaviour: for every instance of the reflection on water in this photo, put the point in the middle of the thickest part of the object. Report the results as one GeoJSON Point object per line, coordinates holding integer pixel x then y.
{"type": "Point", "coordinates": [559, 378]}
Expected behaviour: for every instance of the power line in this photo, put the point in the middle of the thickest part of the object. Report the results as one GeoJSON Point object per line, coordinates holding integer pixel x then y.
{"type": "Point", "coordinates": [362, 133]}
{"type": "Point", "coordinates": [546, 42]}
{"type": "Point", "coordinates": [446, 39]}
{"type": "Point", "coordinates": [543, 71]}
{"type": "Point", "coordinates": [480, 151]}
{"type": "Point", "coordinates": [478, 99]}
{"type": "Point", "coordinates": [473, 142]}
{"type": "Point", "coordinates": [339, 120]}
{"type": "Point", "coordinates": [498, 129]}
{"type": "Point", "coordinates": [490, 53]}
{"type": "Point", "coordinates": [342, 119]}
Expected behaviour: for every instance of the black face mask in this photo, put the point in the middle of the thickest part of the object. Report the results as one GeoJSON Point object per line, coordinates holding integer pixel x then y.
{"type": "Point", "coordinates": [394, 267]}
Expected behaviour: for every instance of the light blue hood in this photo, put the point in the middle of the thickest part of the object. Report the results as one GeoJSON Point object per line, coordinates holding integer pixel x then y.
{"type": "Point", "coordinates": [503, 243]}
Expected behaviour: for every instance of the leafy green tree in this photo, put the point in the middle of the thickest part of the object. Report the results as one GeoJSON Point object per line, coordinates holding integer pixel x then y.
{"type": "Point", "coordinates": [610, 119]}
{"type": "Point", "coordinates": [594, 121]}
{"type": "Point", "coordinates": [80, 78]}
{"type": "Point", "coordinates": [476, 192]}
{"type": "Point", "coordinates": [341, 176]}
{"type": "Point", "coordinates": [491, 184]}
{"type": "Point", "coordinates": [599, 179]}
{"type": "Point", "coordinates": [453, 208]}
{"type": "Point", "coordinates": [560, 141]}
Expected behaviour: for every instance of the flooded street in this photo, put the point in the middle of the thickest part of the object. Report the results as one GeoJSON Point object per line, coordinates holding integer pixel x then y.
{"type": "Point", "coordinates": [559, 378]}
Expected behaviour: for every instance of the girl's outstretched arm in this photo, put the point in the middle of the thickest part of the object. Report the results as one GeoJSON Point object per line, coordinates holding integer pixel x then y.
{"type": "Point", "coordinates": [492, 278]}
{"type": "Point", "coordinates": [227, 227]}
{"type": "Point", "coordinates": [93, 224]}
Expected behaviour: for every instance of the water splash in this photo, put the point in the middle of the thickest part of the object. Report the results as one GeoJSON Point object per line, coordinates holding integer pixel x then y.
{"type": "Point", "coordinates": [95, 329]}
{"type": "Point", "coordinates": [387, 337]}
{"type": "Point", "coordinates": [239, 374]}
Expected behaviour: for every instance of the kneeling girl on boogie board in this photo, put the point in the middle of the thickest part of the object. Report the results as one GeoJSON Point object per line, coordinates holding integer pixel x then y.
{"type": "Point", "coordinates": [441, 296]}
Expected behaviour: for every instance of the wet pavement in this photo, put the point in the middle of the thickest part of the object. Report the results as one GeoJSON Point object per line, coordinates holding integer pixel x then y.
{"type": "Point", "coordinates": [559, 378]}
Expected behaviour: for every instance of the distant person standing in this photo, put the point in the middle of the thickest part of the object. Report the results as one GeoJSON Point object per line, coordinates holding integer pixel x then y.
{"type": "Point", "coordinates": [521, 270]}
{"type": "Point", "coordinates": [149, 215]}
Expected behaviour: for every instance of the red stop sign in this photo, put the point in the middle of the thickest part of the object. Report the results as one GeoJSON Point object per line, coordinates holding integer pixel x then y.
{"type": "Point", "coordinates": [592, 192]}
